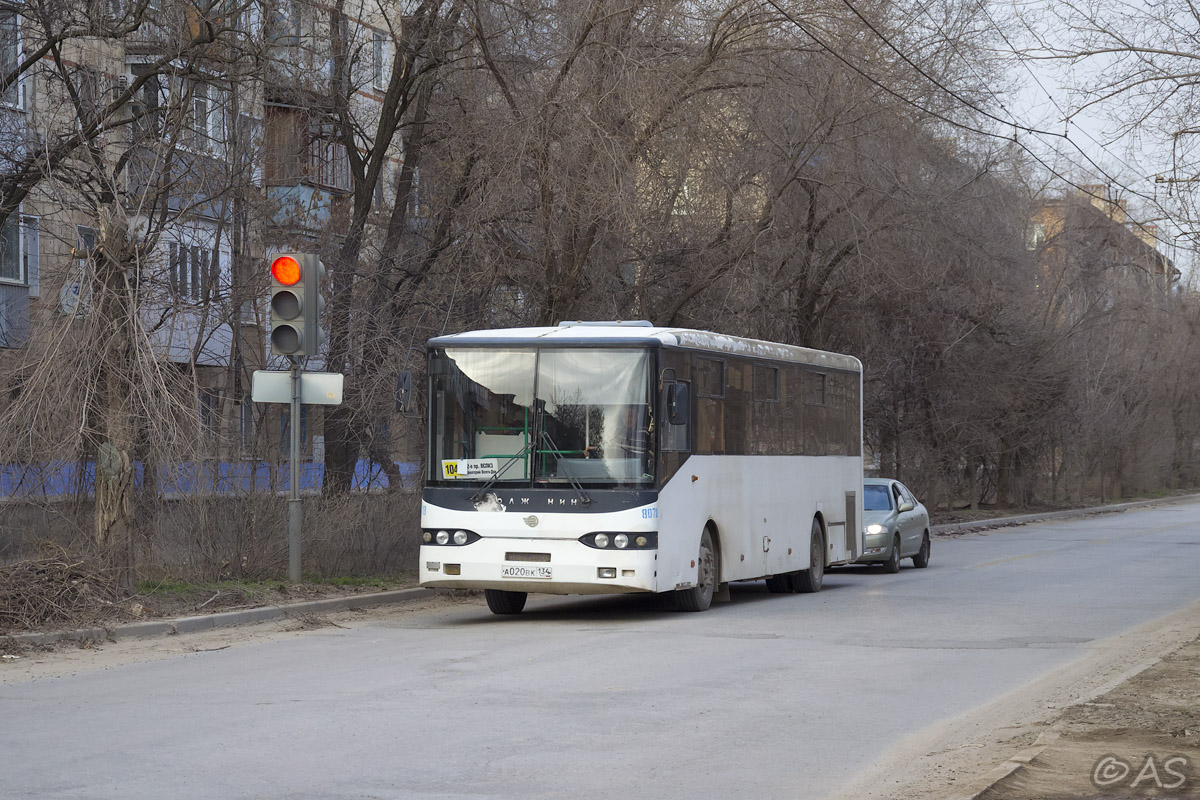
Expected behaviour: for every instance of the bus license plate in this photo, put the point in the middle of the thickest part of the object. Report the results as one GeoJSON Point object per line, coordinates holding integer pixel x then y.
{"type": "Point", "coordinates": [524, 571]}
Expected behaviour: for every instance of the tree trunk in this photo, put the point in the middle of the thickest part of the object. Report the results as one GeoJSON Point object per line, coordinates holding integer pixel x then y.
{"type": "Point", "coordinates": [114, 517]}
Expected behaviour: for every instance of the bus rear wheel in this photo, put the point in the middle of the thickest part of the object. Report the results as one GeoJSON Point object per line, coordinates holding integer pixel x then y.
{"type": "Point", "coordinates": [699, 597]}
{"type": "Point", "coordinates": [809, 580]}
{"type": "Point", "coordinates": [502, 602]}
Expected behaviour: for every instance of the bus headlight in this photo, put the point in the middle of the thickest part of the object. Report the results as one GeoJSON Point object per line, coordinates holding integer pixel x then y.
{"type": "Point", "coordinates": [621, 541]}
{"type": "Point", "coordinates": [457, 538]}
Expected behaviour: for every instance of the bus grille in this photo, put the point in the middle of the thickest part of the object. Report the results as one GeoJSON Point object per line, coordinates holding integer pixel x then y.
{"type": "Point", "coordinates": [527, 557]}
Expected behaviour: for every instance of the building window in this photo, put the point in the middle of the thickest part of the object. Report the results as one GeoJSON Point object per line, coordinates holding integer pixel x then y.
{"type": "Point", "coordinates": [379, 54]}
{"type": "Point", "coordinates": [1036, 236]}
{"type": "Point", "coordinates": [31, 254]}
{"type": "Point", "coordinates": [246, 411]}
{"type": "Point", "coordinates": [283, 24]}
{"type": "Point", "coordinates": [194, 273]}
{"type": "Point", "coordinates": [210, 411]}
{"type": "Point", "coordinates": [19, 251]}
{"type": "Point", "coordinates": [327, 164]}
{"type": "Point", "coordinates": [85, 243]}
{"type": "Point", "coordinates": [10, 56]}
{"type": "Point", "coordinates": [11, 266]}
{"type": "Point", "coordinates": [145, 107]}
{"type": "Point", "coordinates": [206, 120]}
{"type": "Point", "coordinates": [200, 112]}
{"type": "Point", "coordinates": [87, 88]}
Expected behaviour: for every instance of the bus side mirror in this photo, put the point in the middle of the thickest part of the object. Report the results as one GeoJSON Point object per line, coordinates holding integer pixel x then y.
{"type": "Point", "coordinates": [677, 404]}
{"type": "Point", "coordinates": [404, 393]}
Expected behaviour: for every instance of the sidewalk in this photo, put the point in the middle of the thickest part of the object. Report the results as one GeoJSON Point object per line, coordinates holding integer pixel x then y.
{"type": "Point", "coordinates": [956, 528]}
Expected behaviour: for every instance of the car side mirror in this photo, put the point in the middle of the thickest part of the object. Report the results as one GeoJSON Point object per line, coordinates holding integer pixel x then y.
{"type": "Point", "coordinates": [906, 506]}
{"type": "Point", "coordinates": [677, 404]}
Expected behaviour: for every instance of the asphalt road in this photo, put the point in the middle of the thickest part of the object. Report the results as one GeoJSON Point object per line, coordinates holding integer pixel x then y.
{"type": "Point", "coordinates": [772, 696]}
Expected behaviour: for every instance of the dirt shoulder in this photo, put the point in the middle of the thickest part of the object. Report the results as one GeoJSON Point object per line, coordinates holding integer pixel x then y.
{"type": "Point", "coordinates": [1131, 695]}
{"type": "Point", "coordinates": [22, 661]}
{"type": "Point", "coordinates": [60, 594]}
{"type": "Point", "coordinates": [1142, 739]}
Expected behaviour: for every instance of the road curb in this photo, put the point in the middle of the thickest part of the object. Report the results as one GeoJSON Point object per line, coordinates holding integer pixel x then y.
{"type": "Point", "coordinates": [1018, 761]}
{"type": "Point", "coordinates": [954, 528]}
{"type": "Point", "coordinates": [224, 619]}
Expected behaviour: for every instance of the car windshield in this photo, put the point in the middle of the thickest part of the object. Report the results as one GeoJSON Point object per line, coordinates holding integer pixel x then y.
{"type": "Point", "coordinates": [876, 498]}
{"type": "Point", "coordinates": [567, 415]}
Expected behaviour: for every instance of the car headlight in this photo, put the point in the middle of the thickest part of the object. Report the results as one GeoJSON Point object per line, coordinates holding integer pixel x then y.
{"type": "Point", "coordinates": [875, 528]}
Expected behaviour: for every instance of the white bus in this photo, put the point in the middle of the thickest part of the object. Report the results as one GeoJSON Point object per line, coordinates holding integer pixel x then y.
{"type": "Point", "coordinates": [601, 457]}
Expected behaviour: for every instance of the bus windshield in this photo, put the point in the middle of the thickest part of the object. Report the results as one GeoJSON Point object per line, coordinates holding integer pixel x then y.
{"type": "Point", "coordinates": [546, 416]}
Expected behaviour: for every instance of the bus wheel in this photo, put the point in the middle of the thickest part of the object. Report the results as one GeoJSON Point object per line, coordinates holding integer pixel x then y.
{"type": "Point", "coordinates": [892, 565]}
{"type": "Point", "coordinates": [809, 580]}
{"type": "Point", "coordinates": [699, 597]}
{"type": "Point", "coordinates": [921, 559]}
{"type": "Point", "coordinates": [502, 602]}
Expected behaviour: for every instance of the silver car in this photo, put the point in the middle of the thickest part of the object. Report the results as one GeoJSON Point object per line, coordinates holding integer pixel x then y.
{"type": "Point", "coordinates": [895, 525]}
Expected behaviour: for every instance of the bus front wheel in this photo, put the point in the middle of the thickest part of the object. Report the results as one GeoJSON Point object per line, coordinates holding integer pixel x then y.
{"type": "Point", "coordinates": [810, 579]}
{"type": "Point", "coordinates": [699, 597]}
{"type": "Point", "coordinates": [502, 602]}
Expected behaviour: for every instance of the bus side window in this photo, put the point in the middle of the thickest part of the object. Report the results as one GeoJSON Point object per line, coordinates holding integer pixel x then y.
{"type": "Point", "coordinates": [675, 437]}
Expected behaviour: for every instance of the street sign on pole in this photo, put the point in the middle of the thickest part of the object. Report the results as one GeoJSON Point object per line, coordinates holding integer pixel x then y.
{"type": "Point", "coordinates": [297, 389]}
{"type": "Point", "coordinates": [316, 388]}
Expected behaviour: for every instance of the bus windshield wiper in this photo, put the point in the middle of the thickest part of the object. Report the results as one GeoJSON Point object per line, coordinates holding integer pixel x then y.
{"type": "Point", "coordinates": [575, 484]}
{"type": "Point", "coordinates": [480, 495]}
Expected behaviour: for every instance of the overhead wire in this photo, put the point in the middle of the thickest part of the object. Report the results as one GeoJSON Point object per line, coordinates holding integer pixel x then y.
{"type": "Point", "coordinates": [1014, 123]}
{"type": "Point", "coordinates": [1066, 117]}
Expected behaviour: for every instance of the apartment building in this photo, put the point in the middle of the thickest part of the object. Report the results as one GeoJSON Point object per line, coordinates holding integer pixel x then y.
{"type": "Point", "coordinates": [203, 136]}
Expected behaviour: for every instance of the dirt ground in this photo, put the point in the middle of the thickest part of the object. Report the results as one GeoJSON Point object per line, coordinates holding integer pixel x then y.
{"type": "Point", "coordinates": [1134, 695]}
{"type": "Point", "coordinates": [1142, 739]}
{"type": "Point", "coordinates": [20, 662]}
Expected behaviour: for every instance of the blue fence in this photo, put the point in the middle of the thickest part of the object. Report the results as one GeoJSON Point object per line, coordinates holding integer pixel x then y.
{"type": "Point", "coordinates": [58, 479]}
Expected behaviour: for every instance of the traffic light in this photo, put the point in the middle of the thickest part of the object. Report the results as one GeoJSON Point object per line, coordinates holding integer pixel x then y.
{"type": "Point", "coordinates": [296, 304]}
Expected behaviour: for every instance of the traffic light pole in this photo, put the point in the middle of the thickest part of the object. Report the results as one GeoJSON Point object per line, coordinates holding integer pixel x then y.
{"type": "Point", "coordinates": [295, 510]}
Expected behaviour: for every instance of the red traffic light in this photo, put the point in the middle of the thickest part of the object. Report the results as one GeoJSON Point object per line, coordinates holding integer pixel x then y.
{"type": "Point", "coordinates": [286, 270]}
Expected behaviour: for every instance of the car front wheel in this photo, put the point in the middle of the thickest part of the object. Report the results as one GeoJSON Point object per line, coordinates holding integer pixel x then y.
{"type": "Point", "coordinates": [892, 565]}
